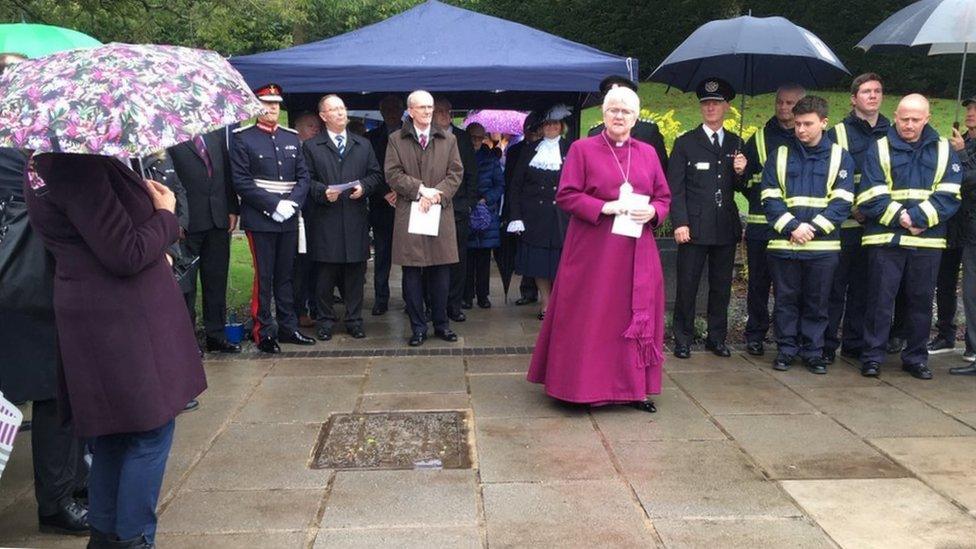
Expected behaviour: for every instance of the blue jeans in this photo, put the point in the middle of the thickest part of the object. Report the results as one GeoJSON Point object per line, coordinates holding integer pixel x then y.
{"type": "Point", "coordinates": [125, 479]}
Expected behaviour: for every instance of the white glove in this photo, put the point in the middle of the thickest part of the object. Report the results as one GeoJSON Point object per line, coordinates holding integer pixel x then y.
{"type": "Point", "coordinates": [284, 211]}
{"type": "Point", "coordinates": [428, 192]}
{"type": "Point", "coordinates": [516, 226]}
{"type": "Point", "coordinates": [613, 207]}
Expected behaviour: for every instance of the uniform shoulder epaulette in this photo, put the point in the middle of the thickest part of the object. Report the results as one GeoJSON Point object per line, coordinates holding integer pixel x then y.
{"type": "Point", "coordinates": [292, 130]}
{"type": "Point", "coordinates": [648, 120]}
{"type": "Point", "coordinates": [242, 128]}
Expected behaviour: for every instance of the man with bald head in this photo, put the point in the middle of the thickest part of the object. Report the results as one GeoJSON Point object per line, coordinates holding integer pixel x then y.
{"type": "Point", "coordinates": [909, 188]}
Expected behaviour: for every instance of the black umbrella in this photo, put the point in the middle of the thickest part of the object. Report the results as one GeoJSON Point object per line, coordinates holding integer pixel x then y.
{"type": "Point", "coordinates": [754, 54]}
{"type": "Point", "coordinates": [945, 26]}
{"type": "Point", "coordinates": [505, 259]}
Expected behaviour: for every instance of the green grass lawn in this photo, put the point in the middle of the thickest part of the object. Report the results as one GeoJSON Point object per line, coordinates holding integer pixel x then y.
{"type": "Point", "coordinates": [655, 99]}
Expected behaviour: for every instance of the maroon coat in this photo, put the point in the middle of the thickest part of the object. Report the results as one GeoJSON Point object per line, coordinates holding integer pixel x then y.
{"type": "Point", "coordinates": [130, 360]}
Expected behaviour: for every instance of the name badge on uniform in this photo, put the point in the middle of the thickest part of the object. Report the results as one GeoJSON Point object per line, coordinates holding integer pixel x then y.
{"type": "Point", "coordinates": [702, 165]}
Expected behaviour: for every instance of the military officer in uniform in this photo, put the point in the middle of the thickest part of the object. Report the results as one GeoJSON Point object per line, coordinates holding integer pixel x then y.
{"type": "Point", "coordinates": [777, 131]}
{"type": "Point", "coordinates": [704, 171]}
{"type": "Point", "coordinates": [807, 192]}
{"type": "Point", "coordinates": [857, 132]}
{"type": "Point", "coordinates": [269, 174]}
{"type": "Point", "coordinates": [644, 130]}
{"type": "Point", "coordinates": [910, 187]}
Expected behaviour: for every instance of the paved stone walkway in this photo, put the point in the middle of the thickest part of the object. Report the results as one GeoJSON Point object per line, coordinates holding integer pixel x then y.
{"type": "Point", "coordinates": [737, 456]}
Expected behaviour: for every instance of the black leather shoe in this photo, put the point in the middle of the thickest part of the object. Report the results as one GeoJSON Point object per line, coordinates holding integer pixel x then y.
{"type": "Point", "coordinates": [643, 405]}
{"type": "Point", "coordinates": [967, 370]}
{"type": "Point", "coordinates": [297, 338]}
{"type": "Point", "coordinates": [466, 304]}
{"type": "Point", "coordinates": [870, 369]}
{"type": "Point", "coordinates": [71, 519]}
{"type": "Point", "coordinates": [782, 363]}
{"type": "Point", "coordinates": [99, 540]}
{"type": "Point", "coordinates": [379, 310]}
{"type": "Point", "coordinates": [829, 356]}
{"type": "Point", "coordinates": [192, 405]}
{"type": "Point", "coordinates": [356, 332]}
{"type": "Point", "coordinates": [446, 335]}
{"type": "Point", "coordinates": [139, 542]}
{"type": "Point", "coordinates": [484, 303]}
{"type": "Point", "coordinates": [816, 366]}
{"type": "Point", "coordinates": [918, 371]}
{"type": "Point", "coordinates": [417, 339]}
{"type": "Point", "coordinates": [269, 345]}
{"type": "Point", "coordinates": [456, 316]}
{"type": "Point", "coordinates": [718, 349]}
{"type": "Point", "coordinates": [323, 333]}
{"type": "Point", "coordinates": [755, 348]}
{"type": "Point", "coordinates": [896, 345]}
{"type": "Point", "coordinates": [940, 345]}
{"type": "Point", "coordinates": [525, 300]}
{"type": "Point", "coordinates": [219, 345]}
{"type": "Point", "coordinates": [681, 351]}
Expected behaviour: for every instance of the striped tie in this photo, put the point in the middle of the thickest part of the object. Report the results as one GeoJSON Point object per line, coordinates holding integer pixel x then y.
{"type": "Point", "coordinates": [340, 145]}
{"type": "Point", "coordinates": [423, 141]}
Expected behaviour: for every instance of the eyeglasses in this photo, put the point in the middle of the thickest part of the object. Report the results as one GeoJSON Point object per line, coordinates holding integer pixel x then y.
{"type": "Point", "coordinates": [423, 107]}
{"type": "Point", "coordinates": [619, 112]}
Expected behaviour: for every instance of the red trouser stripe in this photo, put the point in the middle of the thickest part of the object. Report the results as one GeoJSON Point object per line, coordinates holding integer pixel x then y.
{"type": "Point", "coordinates": [255, 289]}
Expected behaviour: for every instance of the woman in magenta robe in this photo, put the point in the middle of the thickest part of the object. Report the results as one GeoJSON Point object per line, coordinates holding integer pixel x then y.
{"type": "Point", "coordinates": [603, 334]}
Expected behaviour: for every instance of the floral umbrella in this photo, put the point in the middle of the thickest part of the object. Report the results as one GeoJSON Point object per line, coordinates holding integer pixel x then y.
{"type": "Point", "coordinates": [496, 121]}
{"type": "Point", "coordinates": [120, 100]}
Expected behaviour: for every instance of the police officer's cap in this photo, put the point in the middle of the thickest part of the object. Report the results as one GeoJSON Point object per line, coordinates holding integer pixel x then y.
{"type": "Point", "coordinates": [269, 93]}
{"type": "Point", "coordinates": [714, 89]}
{"type": "Point", "coordinates": [969, 101]}
{"type": "Point", "coordinates": [615, 80]}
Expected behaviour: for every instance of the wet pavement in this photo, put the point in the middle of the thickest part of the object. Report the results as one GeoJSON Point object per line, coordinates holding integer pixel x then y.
{"type": "Point", "coordinates": [738, 455]}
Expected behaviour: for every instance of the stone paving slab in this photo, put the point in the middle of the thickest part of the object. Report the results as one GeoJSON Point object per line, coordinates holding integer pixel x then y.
{"type": "Point", "coordinates": [677, 418]}
{"type": "Point", "coordinates": [401, 538]}
{"type": "Point", "coordinates": [502, 364]}
{"type": "Point", "coordinates": [402, 498]}
{"type": "Point", "coordinates": [277, 540]}
{"type": "Point", "coordinates": [889, 513]}
{"type": "Point", "coordinates": [410, 402]}
{"type": "Point", "coordinates": [235, 378]}
{"type": "Point", "coordinates": [300, 399]}
{"type": "Point", "coordinates": [945, 392]}
{"type": "Point", "coordinates": [510, 395]}
{"type": "Point", "coordinates": [565, 514]}
{"type": "Point", "coordinates": [746, 391]}
{"type": "Point", "coordinates": [240, 511]}
{"type": "Point", "coordinates": [539, 449]}
{"type": "Point", "coordinates": [884, 411]}
{"type": "Point", "coordinates": [945, 464]}
{"type": "Point", "coordinates": [702, 361]}
{"type": "Point", "coordinates": [807, 446]}
{"type": "Point", "coordinates": [18, 476]}
{"type": "Point", "coordinates": [417, 374]}
{"type": "Point", "coordinates": [742, 533]}
{"type": "Point", "coordinates": [699, 479]}
{"type": "Point", "coordinates": [305, 367]}
{"type": "Point", "coordinates": [283, 450]}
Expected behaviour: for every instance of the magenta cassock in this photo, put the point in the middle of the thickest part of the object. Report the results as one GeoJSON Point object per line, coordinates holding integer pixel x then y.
{"type": "Point", "coordinates": [602, 338]}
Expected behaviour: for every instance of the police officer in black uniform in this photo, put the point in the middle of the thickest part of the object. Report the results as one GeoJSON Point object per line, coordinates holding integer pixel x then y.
{"type": "Point", "coordinates": [270, 176]}
{"type": "Point", "coordinates": [705, 170]}
{"type": "Point", "coordinates": [644, 130]}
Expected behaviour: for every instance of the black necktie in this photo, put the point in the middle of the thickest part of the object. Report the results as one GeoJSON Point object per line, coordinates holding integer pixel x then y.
{"type": "Point", "coordinates": [715, 141]}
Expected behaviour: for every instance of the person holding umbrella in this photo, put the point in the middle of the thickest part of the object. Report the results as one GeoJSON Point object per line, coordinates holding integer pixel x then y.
{"type": "Point", "coordinates": [704, 172]}
{"type": "Point", "coordinates": [909, 188]}
{"type": "Point", "coordinates": [777, 131]}
{"type": "Point", "coordinates": [269, 173]}
{"type": "Point", "coordinates": [856, 133]}
{"type": "Point", "coordinates": [965, 147]}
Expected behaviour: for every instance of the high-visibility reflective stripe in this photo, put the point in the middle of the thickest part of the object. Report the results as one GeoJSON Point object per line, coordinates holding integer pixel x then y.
{"type": "Point", "coordinates": [884, 156]}
{"type": "Point", "coordinates": [840, 130]}
{"type": "Point", "coordinates": [761, 146]}
{"type": "Point", "coordinates": [889, 213]}
{"type": "Point", "coordinates": [823, 223]}
{"type": "Point", "coordinates": [871, 239]}
{"type": "Point", "coordinates": [942, 161]}
{"type": "Point", "coordinates": [911, 194]}
{"type": "Point", "coordinates": [841, 193]}
{"type": "Point", "coordinates": [952, 188]}
{"type": "Point", "coordinates": [850, 224]}
{"type": "Point", "coordinates": [754, 180]}
{"type": "Point", "coordinates": [875, 191]}
{"type": "Point", "coordinates": [921, 242]}
{"type": "Point", "coordinates": [811, 246]}
{"type": "Point", "coordinates": [931, 215]}
{"type": "Point", "coordinates": [781, 155]}
{"type": "Point", "coordinates": [808, 201]}
{"type": "Point", "coordinates": [756, 219]}
{"type": "Point", "coordinates": [834, 167]}
{"type": "Point", "coordinates": [782, 221]}
{"type": "Point", "coordinates": [771, 193]}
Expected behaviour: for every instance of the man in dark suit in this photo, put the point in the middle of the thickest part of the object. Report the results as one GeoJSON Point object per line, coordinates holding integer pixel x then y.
{"type": "Point", "coordinates": [463, 200]}
{"type": "Point", "coordinates": [339, 244]}
{"type": "Point", "coordinates": [644, 130]}
{"type": "Point", "coordinates": [203, 166]}
{"type": "Point", "coordinates": [704, 173]}
{"type": "Point", "coordinates": [382, 204]}
{"type": "Point", "coordinates": [531, 132]}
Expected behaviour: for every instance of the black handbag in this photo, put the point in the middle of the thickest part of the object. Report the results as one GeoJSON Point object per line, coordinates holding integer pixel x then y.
{"type": "Point", "coordinates": [26, 268]}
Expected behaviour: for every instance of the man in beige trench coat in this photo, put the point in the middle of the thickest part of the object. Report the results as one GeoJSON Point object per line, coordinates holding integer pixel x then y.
{"type": "Point", "coordinates": [423, 165]}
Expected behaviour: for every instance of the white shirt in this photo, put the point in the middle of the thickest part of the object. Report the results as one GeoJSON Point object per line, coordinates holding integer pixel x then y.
{"type": "Point", "coordinates": [425, 133]}
{"type": "Point", "coordinates": [709, 133]}
{"type": "Point", "coordinates": [332, 136]}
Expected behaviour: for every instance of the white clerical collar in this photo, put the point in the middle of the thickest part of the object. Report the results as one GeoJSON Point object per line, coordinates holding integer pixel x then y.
{"type": "Point", "coordinates": [709, 132]}
{"type": "Point", "coordinates": [333, 135]}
